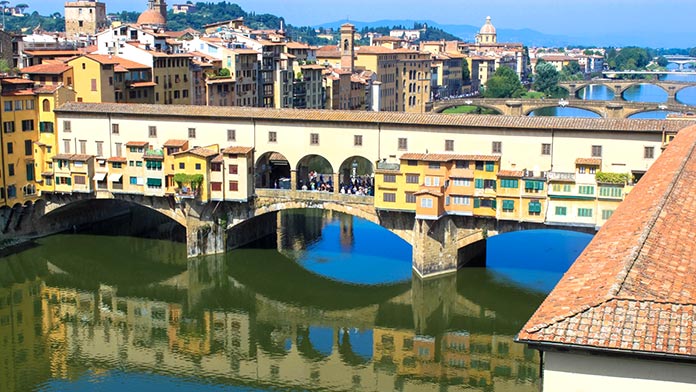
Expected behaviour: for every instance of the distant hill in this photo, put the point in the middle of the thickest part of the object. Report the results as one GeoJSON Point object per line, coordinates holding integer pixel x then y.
{"type": "Point", "coordinates": [531, 37]}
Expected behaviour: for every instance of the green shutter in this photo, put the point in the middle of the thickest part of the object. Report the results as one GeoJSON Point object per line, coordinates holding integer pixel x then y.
{"type": "Point", "coordinates": [69, 180]}
{"type": "Point", "coordinates": [494, 204]}
{"type": "Point", "coordinates": [508, 204]}
{"type": "Point", "coordinates": [490, 166]}
{"type": "Point", "coordinates": [534, 206]}
{"type": "Point", "coordinates": [477, 202]}
{"type": "Point", "coordinates": [478, 183]}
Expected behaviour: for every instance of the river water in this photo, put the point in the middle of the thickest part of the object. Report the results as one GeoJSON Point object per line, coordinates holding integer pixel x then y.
{"type": "Point", "coordinates": [328, 303]}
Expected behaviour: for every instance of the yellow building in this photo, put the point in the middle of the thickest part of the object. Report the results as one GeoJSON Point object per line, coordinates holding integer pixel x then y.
{"type": "Point", "coordinates": [73, 173]}
{"type": "Point", "coordinates": [485, 181]}
{"type": "Point", "coordinates": [509, 194]}
{"type": "Point", "coordinates": [413, 80]}
{"type": "Point", "coordinates": [52, 73]}
{"type": "Point", "coordinates": [172, 76]}
{"type": "Point", "coordinates": [382, 61]}
{"type": "Point", "coordinates": [171, 147]}
{"type": "Point", "coordinates": [134, 181]}
{"type": "Point", "coordinates": [191, 174]}
{"type": "Point", "coordinates": [94, 77]}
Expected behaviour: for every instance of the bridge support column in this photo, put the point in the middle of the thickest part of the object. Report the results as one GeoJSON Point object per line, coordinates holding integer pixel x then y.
{"type": "Point", "coordinates": [434, 247]}
{"type": "Point", "coordinates": [336, 184]}
{"type": "Point", "coordinates": [203, 236]}
{"type": "Point", "coordinates": [433, 302]}
{"type": "Point", "coordinates": [293, 180]}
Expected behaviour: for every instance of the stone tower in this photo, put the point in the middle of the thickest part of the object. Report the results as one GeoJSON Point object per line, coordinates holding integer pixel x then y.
{"type": "Point", "coordinates": [346, 46]}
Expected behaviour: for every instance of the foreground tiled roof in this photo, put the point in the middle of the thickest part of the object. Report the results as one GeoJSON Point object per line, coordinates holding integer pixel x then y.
{"type": "Point", "coordinates": [49, 69]}
{"type": "Point", "coordinates": [395, 118]}
{"type": "Point", "coordinates": [449, 157]}
{"type": "Point", "coordinates": [634, 286]}
{"type": "Point", "coordinates": [237, 150]}
{"type": "Point", "coordinates": [199, 151]}
{"type": "Point", "coordinates": [175, 143]}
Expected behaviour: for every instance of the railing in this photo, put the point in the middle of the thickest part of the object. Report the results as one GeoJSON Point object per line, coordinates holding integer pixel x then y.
{"type": "Point", "coordinates": [388, 166]}
{"type": "Point", "coordinates": [560, 176]}
{"type": "Point", "coordinates": [318, 196]}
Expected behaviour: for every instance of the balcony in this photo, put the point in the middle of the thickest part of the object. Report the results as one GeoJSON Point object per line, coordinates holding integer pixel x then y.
{"type": "Point", "coordinates": [560, 176]}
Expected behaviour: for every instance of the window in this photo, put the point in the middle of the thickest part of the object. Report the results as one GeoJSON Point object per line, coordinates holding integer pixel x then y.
{"type": "Point", "coordinates": [610, 191]}
{"type": "Point", "coordinates": [66, 146]}
{"type": "Point", "coordinates": [509, 183]}
{"type": "Point", "coordinates": [433, 165]}
{"type": "Point", "coordinates": [46, 126]}
{"type": "Point", "coordinates": [489, 184]}
{"type": "Point", "coordinates": [182, 165]}
{"type": "Point", "coordinates": [449, 145]}
{"type": "Point", "coordinates": [389, 197]}
{"type": "Point", "coordinates": [27, 147]}
{"type": "Point", "coordinates": [585, 212]}
{"type": "Point", "coordinates": [432, 181]}
{"type": "Point", "coordinates": [131, 163]}
{"type": "Point", "coordinates": [314, 139]}
{"type": "Point", "coordinates": [118, 149]}
{"type": "Point", "coordinates": [83, 146]}
{"type": "Point", "coordinates": [93, 84]}
{"type": "Point", "coordinates": [357, 140]}
{"type": "Point", "coordinates": [8, 126]}
{"type": "Point", "coordinates": [649, 152]}
{"type": "Point", "coordinates": [389, 177]}
{"type": "Point", "coordinates": [597, 151]}
{"type": "Point", "coordinates": [233, 169]}
{"type": "Point", "coordinates": [497, 147]}
{"type": "Point", "coordinates": [10, 169]}
{"type": "Point", "coordinates": [581, 169]}
{"type": "Point", "coordinates": [114, 129]}
{"type": "Point", "coordinates": [138, 163]}
{"type": "Point", "coordinates": [80, 180]}
{"type": "Point", "coordinates": [272, 136]}
{"type": "Point", "coordinates": [461, 164]}
{"type": "Point", "coordinates": [412, 178]}
{"type": "Point", "coordinates": [508, 205]}
{"type": "Point", "coordinates": [134, 180]}
{"type": "Point", "coordinates": [461, 182]}
{"type": "Point", "coordinates": [561, 211]}
{"type": "Point", "coordinates": [234, 186]}
{"type": "Point", "coordinates": [152, 131]}
{"type": "Point", "coordinates": [478, 183]}
{"type": "Point", "coordinates": [403, 143]}
{"type": "Point", "coordinates": [461, 200]}
{"type": "Point", "coordinates": [561, 187]}
{"type": "Point", "coordinates": [100, 148]}
{"type": "Point", "coordinates": [426, 202]}
{"type": "Point", "coordinates": [231, 135]}
{"type": "Point", "coordinates": [8, 106]}
{"type": "Point", "coordinates": [46, 105]}
{"type": "Point", "coordinates": [29, 104]}
{"type": "Point", "coordinates": [216, 186]}
{"type": "Point", "coordinates": [533, 186]}
{"type": "Point", "coordinates": [198, 166]}
{"type": "Point", "coordinates": [534, 207]}
{"type": "Point", "coordinates": [545, 149]}
{"type": "Point", "coordinates": [10, 148]}
{"type": "Point", "coordinates": [27, 125]}
{"type": "Point", "coordinates": [216, 167]}
{"type": "Point", "coordinates": [116, 165]}
{"type": "Point", "coordinates": [192, 133]}
{"type": "Point", "coordinates": [410, 197]}
{"type": "Point", "coordinates": [586, 190]}
{"type": "Point", "coordinates": [18, 105]}
{"type": "Point", "coordinates": [490, 166]}
{"type": "Point", "coordinates": [606, 214]}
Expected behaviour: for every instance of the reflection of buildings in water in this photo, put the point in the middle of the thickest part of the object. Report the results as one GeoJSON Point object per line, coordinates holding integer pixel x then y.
{"type": "Point", "coordinates": [297, 229]}
{"type": "Point", "coordinates": [346, 227]}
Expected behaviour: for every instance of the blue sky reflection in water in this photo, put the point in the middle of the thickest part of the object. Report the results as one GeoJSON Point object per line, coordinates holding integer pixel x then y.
{"type": "Point", "coordinates": [535, 259]}
{"type": "Point", "coordinates": [387, 258]}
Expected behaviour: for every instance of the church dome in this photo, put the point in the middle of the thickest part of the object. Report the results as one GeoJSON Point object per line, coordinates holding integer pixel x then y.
{"type": "Point", "coordinates": [151, 17]}
{"type": "Point", "coordinates": [487, 28]}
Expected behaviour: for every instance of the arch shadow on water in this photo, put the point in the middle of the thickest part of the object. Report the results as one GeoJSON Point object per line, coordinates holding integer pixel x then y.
{"type": "Point", "coordinates": [595, 92]}
{"type": "Point", "coordinates": [567, 111]}
{"type": "Point", "coordinates": [651, 115]}
{"type": "Point", "coordinates": [645, 92]}
{"type": "Point", "coordinates": [687, 96]}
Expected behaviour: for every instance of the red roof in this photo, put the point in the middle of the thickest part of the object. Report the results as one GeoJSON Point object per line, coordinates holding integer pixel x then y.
{"type": "Point", "coordinates": [175, 143]}
{"type": "Point", "coordinates": [137, 144]}
{"type": "Point", "coordinates": [237, 150]}
{"type": "Point", "coordinates": [632, 289]}
{"type": "Point", "coordinates": [46, 69]}
{"type": "Point", "coordinates": [449, 157]}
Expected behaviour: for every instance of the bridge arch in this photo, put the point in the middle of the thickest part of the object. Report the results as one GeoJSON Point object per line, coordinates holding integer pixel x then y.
{"type": "Point", "coordinates": [354, 166]}
{"type": "Point", "coordinates": [682, 91]}
{"type": "Point", "coordinates": [444, 106]}
{"type": "Point", "coordinates": [626, 87]}
{"type": "Point", "coordinates": [584, 86]}
{"type": "Point", "coordinates": [595, 111]}
{"type": "Point", "coordinates": [58, 209]}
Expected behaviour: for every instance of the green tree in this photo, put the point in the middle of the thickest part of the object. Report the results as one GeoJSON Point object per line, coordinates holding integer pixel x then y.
{"type": "Point", "coordinates": [466, 75]}
{"type": "Point", "coordinates": [662, 61]}
{"type": "Point", "coordinates": [504, 84]}
{"type": "Point", "coordinates": [692, 52]}
{"type": "Point", "coordinates": [546, 78]}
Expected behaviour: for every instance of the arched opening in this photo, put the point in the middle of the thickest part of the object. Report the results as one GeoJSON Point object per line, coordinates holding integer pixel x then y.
{"type": "Point", "coordinates": [307, 337]}
{"type": "Point", "coordinates": [314, 173]}
{"type": "Point", "coordinates": [563, 111]}
{"type": "Point", "coordinates": [471, 109]}
{"type": "Point", "coordinates": [272, 171]}
{"type": "Point", "coordinates": [687, 96]}
{"type": "Point", "coordinates": [595, 92]}
{"type": "Point", "coordinates": [644, 92]}
{"type": "Point", "coordinates": [651, 114]}
{"type": "Point", "coordinates": [354, 346]}
{"type": "Point", "coordinates": [356, 176]}
{"type": "Point", "coordinates": [46, 105]}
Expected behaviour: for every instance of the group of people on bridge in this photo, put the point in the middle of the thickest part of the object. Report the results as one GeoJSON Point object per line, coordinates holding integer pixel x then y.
{"type": "Point", "coordinates": [359, 185]}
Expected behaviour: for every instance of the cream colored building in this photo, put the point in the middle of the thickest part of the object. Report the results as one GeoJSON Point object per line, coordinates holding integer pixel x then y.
{"type": "Point", "coordinates": [84, 18]}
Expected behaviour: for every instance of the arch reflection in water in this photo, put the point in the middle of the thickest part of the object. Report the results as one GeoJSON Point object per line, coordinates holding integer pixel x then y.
{"type": "Point", "coordinates": [255, 319]}
{"type": "Point", "coordinates": [558, 111]}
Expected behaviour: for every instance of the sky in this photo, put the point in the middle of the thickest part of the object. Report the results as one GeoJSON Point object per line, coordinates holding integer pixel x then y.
{"type": "Point", "coordinates": [585, 17]}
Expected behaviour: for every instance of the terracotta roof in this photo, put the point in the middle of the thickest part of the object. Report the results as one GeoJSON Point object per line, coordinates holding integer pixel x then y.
{"type": "Point", "coordinates": [394, 118]}
{"type": "Point", "coordinates": [117, 159]}
{"type": "Point", "coordinates": [175, 143]}
{"type": "Point", "coordinates": [276, 156]}
{"type": "Point", "coordinates": [137, 144]}
{"type": "Point", "coordinates": [46, 69]}
{"type": "Point", "coordinates": [449, 157]}
{"type": "Point", "coordinates": [64, 53]}
{"type": "Point", "coordinates": [219, 158]}
{"type": "Point", "coordinates": [62, 156]}
{"type": "Point", "coordinates": [245, 51]}
{"type": "Point", "coordinates": [632, 289]}
{"type": "Point", "coordinates": [237, 150]}
{"type": "Point", "coordinates": [589, 161]}
{"type": "Point", "coordinates": [200, 151]}
{"type": "Point", "coordinates": [80, 157]}
{"type": "Point", "coordinates": [511, 173]}
{"type": "Point", "coordinates": [426, 191]}
{"type": "Point", "coordinates": [16, 81]}
{"type": "Point", "coordinates": [143, 84]}
{"type": "Point", "coordinates": [102, 58]}
{"type": "Point", "coordinates": [128, 64]}
{"type": "Point", "coordinates": [297, 45]}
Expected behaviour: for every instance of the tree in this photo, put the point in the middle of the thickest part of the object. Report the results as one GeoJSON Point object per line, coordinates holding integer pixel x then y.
{"type": "Point", "coordinates": [466, 75]}
{"type": "Point", "coordinates": [692, 52]}
{"type": "Point", "coordinates": [504, 84]}
{"type": "Point", "coordinates": [662, 61]}
{"type": "Point", "coordinates": [546, 78]}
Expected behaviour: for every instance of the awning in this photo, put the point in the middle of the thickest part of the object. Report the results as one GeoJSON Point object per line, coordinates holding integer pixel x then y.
{"type": "Point", "coordinates": [99, 176]}
{"type": "Point", "coordinates": [115, 177]}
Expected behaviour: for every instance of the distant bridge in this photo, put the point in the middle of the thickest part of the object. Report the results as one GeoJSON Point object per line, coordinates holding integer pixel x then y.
{"type": "Point", "coordinates": [619, 86]}
{"type": "Point", "coordinates": [523, 107]}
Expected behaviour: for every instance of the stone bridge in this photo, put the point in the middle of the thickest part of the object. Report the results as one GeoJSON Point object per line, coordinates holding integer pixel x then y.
{"type": "Point", "coordinates": [523, 107]}
{"type": "Point", "coordinates": [619, 86]}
